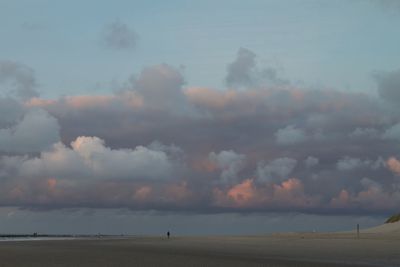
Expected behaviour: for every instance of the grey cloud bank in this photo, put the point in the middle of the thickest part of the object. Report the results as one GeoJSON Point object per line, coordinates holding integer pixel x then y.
{"type": "Point", "coordinates": [161, 145]}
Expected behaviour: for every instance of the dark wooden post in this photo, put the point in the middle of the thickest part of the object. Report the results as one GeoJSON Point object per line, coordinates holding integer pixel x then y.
{"type": "Point", "coordinates": [358, 231]}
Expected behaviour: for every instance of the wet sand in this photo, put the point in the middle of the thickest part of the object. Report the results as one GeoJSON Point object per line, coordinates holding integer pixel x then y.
{"type": "Point", "coordinates": [279, 250]}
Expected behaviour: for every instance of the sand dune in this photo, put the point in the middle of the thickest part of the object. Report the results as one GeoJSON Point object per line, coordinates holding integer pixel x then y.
{"type": "Point", "coordinates": [387, 228]}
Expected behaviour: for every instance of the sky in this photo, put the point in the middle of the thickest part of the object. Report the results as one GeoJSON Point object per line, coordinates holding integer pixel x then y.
{"type": "Point", "coordinates": [199, 117]}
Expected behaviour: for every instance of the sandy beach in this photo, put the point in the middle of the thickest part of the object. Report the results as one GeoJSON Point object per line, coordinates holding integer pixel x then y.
{"type": "Point", "coordinates": [289, 249]}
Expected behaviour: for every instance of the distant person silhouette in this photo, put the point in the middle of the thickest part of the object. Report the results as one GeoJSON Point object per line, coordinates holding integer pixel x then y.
{"type": "Point", "coordinates": [168, 234]}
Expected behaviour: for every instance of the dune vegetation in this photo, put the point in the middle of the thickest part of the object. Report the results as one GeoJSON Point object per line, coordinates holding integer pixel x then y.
{"type": "Point", "coordinates": [393, 218]}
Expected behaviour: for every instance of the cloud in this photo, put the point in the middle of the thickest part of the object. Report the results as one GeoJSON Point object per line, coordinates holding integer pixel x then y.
{"type": "Point", "coordinates": [369, 133]}
{"type": "Point", "coordinates": [392, 133]}
{"type": "Point", "coordinates": [290, 135]}
{"type": "Point", "coordinates": [394, 165]}
{"type": "Point", "coordinates": [160, 144]}
{"type": "Point", "coordinates": [161, 87]}
{"type": "Point", "coordinates": [247, 194]}
{"type": "Point", "coordinates": [90, 174]}
{"type": "Point", "coordinates": [243, 72]}
{"type": "Point", "coordinates": [229, 162]}
{"type": "Point", "coordinates": [35, 132]}
{"type": "Point", "coordinates": [156, 88]}
{"type": "Point", "coordinates": [89, 158]}
{"type": "Point", "coordinates": [10, 111]}
{"type": "Point", "coordinates": [291, 192]}
{"type": "Point", "coordinates": [240, 71]}
{"type": "Point", "coordinates": [311, 161]}
{"type": "Point", "coordinates": [17, 79]}
{"type": "Point", "coordinates": [276, 170]}
{"type": "Point", "coordinates": [388, 85]}
{"type": "Point", "coordinates": [349, 163]}
{"type": "Point", "coordinates": [372, 195]}
{"type": "Point", "coordinates": [119, 36]}
{"type": "Point", "coordinates": [242, 193]}
{"type": "Point", "coordinates": [138, 163]}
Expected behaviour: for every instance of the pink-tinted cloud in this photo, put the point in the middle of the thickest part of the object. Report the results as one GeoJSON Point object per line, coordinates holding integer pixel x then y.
{"type": "Point", "coordinates": [211, 98]}
{"type": "Point", "coordinates": [178, 193]}
{"type": "Point", "coordinates": [127, 100]}
{"type": "Point", "coordinates": [242, 193]}
{"type": "Point", "coordinates": [289, 193]}
{"type": "Point", "coordinates": [342, 200]}
{"type": "Point", "coordinates": [204, 165]}
{"type": "Point", "coordinates": [143, 193]}
{"type": "Point", "coordinates": [394, 165]}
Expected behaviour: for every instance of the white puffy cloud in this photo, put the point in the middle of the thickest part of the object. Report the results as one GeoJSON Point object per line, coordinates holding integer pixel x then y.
{"type": "Point", "coordinates": [60, 162]}
{"type": "Point", "coordinates": [36, 131]}
{"type": "Point", "coordinates": [89, 158]}
{"type": "Point", "coordinates": [140, 162]}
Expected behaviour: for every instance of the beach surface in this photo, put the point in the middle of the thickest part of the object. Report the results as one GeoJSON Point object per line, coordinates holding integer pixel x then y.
{"type": "Point", "coordinates": [288, 249]}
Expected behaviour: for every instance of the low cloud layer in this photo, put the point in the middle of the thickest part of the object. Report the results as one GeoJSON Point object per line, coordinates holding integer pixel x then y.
{"type": "Point", "coordinates": [160, 144]}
